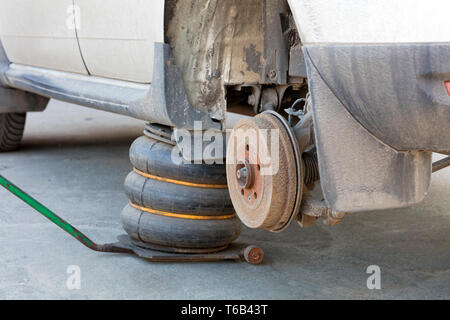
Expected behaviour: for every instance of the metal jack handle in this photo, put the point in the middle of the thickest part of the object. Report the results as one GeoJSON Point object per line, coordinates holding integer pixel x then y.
{"type": "Point", "coordinates": [74, 232]}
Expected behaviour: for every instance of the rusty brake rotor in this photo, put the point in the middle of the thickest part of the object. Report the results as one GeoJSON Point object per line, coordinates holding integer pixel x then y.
{"type": "Point", "coordinates": [265, 172]}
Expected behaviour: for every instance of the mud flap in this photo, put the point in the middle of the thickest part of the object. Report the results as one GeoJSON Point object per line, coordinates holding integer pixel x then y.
{"type": "Point", "coordinates": [358, 171]}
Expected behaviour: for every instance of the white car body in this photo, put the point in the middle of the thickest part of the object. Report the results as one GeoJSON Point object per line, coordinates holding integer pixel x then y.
{"type": "Point", "coordinates": [372, 21]}
{"type": "Point", "coordinates": [116, 38]}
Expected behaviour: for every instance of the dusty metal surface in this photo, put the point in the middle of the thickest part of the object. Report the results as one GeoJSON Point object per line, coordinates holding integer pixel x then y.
{"type": "Point", "coordinates": [313, 208]}
{"type": "Point", "coordinates": [4, 64]}
{"type": "Point", "coordinates": [164, 101]}
{"type": "Point", "coordinates": [159, 132]}
{"type": "Point", "coordinates": [264, 187]}
{"type": "Point", "coordinates": [167, 249]}
{"type": "Point", "coordinates": [234, 252]}
{"type": "Point", "coordinates": [300, 168]}
{"type": "Point", "coordinates": [311, 168]}
{"type": "Point", "coordinates": [224, 43]}
{"type": "Point", "coordinates": [359, 172]}
{"type": "Point", "coordinates": [394, 91]}
{"type": "Point", "coordinates": [441, 164]}
{"type": "Point", "coordinates": [12, 100]}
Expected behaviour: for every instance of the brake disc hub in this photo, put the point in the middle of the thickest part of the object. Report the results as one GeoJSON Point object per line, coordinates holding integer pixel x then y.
{"type": "Point", "coordinates": [264, 172]}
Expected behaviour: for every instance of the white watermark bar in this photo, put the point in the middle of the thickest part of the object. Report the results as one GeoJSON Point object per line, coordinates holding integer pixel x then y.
{"type": "Point", "coordinates": [260, 147]}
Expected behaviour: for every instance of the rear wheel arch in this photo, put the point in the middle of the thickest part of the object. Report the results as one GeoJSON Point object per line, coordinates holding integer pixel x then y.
{"type": "Point", "coordinates": [227, 43]}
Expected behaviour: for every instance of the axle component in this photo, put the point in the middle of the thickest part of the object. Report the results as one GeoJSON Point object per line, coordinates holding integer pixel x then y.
{"type": "Point", "coordinates": [272, 165]}
{"type": "Point", "coordinates": [441, 164]}
{"type": "Point", "coordinates": [265, 172]}
{"type": "Point", "coordinates": [313, 209]}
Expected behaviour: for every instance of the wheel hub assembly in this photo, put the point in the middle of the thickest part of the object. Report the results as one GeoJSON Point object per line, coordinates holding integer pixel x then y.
{"type": "Point", "coordinates": [264, 172]}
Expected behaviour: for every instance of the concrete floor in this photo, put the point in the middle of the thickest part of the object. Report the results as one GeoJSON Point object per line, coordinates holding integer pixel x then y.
{"type": "Point", "coordinates": [74, 160]}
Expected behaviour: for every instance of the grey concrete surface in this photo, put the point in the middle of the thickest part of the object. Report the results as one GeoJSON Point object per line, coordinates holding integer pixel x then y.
{"type": "Point", "coordinates": [74, 160]}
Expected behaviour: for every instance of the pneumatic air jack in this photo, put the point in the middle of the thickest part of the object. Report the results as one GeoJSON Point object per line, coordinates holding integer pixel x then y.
{"type": "Point", "coordinates": [176, 213]}
{"type": "Point", "coordinates": [179, 207]}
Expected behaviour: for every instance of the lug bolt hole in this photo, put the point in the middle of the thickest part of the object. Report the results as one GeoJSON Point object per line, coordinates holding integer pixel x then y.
{"type": "Point", "coordinates": [242, 191]}
{"type": "Point", "coordinates": [255, 195]}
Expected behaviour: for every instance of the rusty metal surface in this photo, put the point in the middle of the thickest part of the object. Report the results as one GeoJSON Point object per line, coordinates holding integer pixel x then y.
{"type": "Point", "coordinates": [313, 208]}
{"type": "Point", "coordinates": [253, 254]}
{"type": "Point", "coordinates": [300, 168]}
{"type": "Point", "coordinates": [305, 221]}
{"type": "Point", "coordinates": [268, 201]}
{"type": "Point", "coordinates": [253, 186]}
